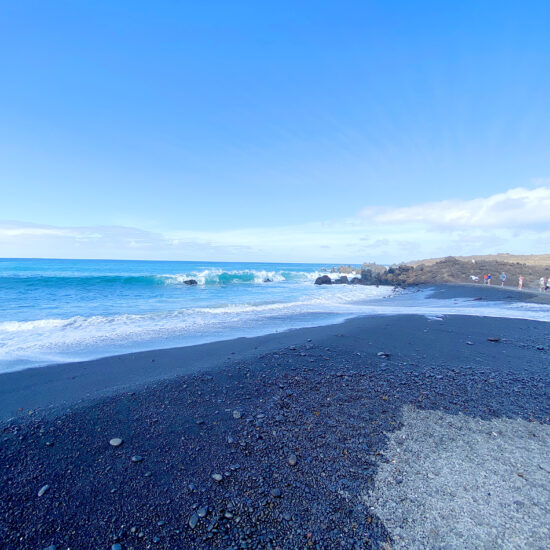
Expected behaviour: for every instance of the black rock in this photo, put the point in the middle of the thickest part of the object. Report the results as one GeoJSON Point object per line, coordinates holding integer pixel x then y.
{"type": "Point", "coordinates": [323, 280]}
{"type": "Point", "coordinates": [190, 282]}
{"type": "Point", "coordinates": [193, 520]}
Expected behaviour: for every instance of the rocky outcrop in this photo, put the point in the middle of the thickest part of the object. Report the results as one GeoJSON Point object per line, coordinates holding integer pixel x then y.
{"type": "Point", "coordinates": [343, 280]}
{"type": "Point", "coordinates": [323, 280]}
{"type": "Point", "coordinates": [190, 282]}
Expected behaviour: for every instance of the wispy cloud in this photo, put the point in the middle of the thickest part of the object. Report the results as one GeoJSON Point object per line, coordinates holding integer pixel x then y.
{"type": "Point", "coordinates": [517, 221]}
{"type": "Point", "coordinates": [516, 207]}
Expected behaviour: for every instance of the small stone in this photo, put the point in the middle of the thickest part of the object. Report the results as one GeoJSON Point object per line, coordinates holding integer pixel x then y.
{"type": "Point", "coordinates": [383, 354]}
{"type": "Point", "coordinates": [147, 474]}
{"type": "Point", "coordinates": [156, 539]}
{"type": "Point", "coordinates": [51, 547]}
{"type": "Point", "coordinates": [136, 458]}
{"type": "Point", "coordinates": [161, 523]}
{"type": "Point", "coordinates": [292, 460]}
{"type": "Point", "coordinates": [193, 520]}
{"type": "Point", "coordinates": [469, 343]}
{"type": "Point", "coordinates": [493, 339]}
{"type": "Point", "coordinates": [276, 493]}
{"type": "Point", "coordinates": [115, 442]}
{"type": "Point", "coordinates": [237, 414]}
{"type": "Point", "coordinates": [217, 477]}
{"type": "Point", "coordinates": [202, 512]}
{"type": "Point", "coordinates": [287, 516]}
{"type": "Point", "coordinates": [43, 489]}
{"type": "Point", "coordinates": [116, 546]}
{"type": "Point", "coordinates": [228, 515]}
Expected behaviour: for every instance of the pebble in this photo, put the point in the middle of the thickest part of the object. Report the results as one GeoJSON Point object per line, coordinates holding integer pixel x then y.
{"type": "Point", "coordinates": [276, 493]}
{"type": "Point", "coordinates": [292, 460]}
{"type": "Point", "coordinates": [43, 489]}
{"type": "Point", "coordinates": [115, 442]}
{"type": "Point", "coordinates": [202, 512]}
{"type": "Point", "coordinates": [116, 546]}
{"type": "Point", "coordinates": [51, 547]}
{"type": "Point", "coordinates": [193, 520]}
{"type": "Point", "coordinates": [136, 458]}
{"type": "Point", "coordinates": [237, 414]}
{"type": "Point", "coordinates": [217, 477]}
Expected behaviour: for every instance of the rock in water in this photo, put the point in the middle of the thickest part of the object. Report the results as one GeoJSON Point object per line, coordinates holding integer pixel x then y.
{"type": "Point", "coordinates": [276, 493]}
{"type": "Point", "coordinates": [115, 442]}
{"type": "Point", "coordinates": [136, 458]}
{"type": "Point", "coordinates": [116, 546]}
{"type": "Point", "coordinates": [217, 477]}
{"type": "Point", "coordinates": [292, 460]}
{"type": "Point", "coordinates": [323, 280]}
{"type": "Point", "coordinates": [43, 489]}
{"type": "Point", "coordinates": [237, 414]}
{"type": "Point", "coordinates": [190, 282]}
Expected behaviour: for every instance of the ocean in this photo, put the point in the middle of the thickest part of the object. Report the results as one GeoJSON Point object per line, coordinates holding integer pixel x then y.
{"type": "Point", "coordinates": [65, 310]}
{"type": "Point", "coordinates": [54, 311]}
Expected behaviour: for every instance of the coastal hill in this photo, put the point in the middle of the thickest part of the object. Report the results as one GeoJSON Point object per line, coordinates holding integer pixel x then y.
{"type": "Point", "coordinates": [537, 260]}
{"type": "Point", "coordinates": [463, 269]}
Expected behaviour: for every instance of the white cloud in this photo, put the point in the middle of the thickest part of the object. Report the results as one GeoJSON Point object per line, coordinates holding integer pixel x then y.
{"type": "Point", "coordinates": [516, 221]}
{"type": "Point", "coordinates": [515, 207]}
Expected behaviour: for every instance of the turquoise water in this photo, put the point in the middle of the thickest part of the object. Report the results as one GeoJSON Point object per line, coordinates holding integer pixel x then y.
{"type": "Point", "coordinates": [62, 310]}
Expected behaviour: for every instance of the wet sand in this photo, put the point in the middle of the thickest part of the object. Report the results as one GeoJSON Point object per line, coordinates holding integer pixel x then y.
{"type": "Point", "coordinates": [311, 431]}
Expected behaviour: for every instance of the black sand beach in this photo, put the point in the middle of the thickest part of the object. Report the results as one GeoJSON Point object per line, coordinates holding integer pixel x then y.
{"type": "Point", "coordinates": [358, 435]}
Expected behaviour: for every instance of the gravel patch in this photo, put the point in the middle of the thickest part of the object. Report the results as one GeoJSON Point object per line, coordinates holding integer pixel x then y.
{"type": "Point", "coordinates": [453, 481]}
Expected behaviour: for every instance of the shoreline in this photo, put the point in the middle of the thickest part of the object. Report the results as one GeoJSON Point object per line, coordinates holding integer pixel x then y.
{"type": "Point", "coordinates": [355, 435]}
{"type": "Point", "coordinates": [49, 389]}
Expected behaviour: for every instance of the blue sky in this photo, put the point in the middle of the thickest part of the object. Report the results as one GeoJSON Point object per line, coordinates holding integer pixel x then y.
{"type": "Point", "coordinates": [185, 130]}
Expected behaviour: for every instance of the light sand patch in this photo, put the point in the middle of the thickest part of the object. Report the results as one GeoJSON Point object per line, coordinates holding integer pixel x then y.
{"type": "Point", "coordinates": [460, 482]}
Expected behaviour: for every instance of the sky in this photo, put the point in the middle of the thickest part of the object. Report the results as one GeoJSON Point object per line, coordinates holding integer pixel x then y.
{"type": "Point", "coordinates": [274, 131]}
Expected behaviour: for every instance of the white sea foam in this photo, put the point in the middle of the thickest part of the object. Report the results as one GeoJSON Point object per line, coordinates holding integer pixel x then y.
{"type": "Point", "coordinates": [43, 341]}
{"type": "Point", "coordinates": [219, 276]}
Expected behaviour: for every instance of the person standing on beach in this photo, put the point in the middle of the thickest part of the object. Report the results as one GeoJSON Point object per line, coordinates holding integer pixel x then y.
{"type": "Point", "coordinates": [488, 278]}
{"type": "Point", "coordinates": [520, 283]}
{"type": "Point", "coordinates": [485, 278]}
{"type": "Point", "coordinates": [502, 278]}
{"type": "Point", "coordinates": [542, 283]}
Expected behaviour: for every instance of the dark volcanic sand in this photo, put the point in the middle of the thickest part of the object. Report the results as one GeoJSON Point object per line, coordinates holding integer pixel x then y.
{"type": "Point", "coordinates": [323, 395]}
